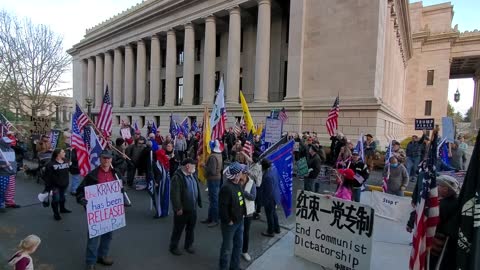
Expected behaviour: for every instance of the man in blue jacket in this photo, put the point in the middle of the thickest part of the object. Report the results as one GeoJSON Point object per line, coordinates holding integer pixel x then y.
{"type": "Point", "coordinates": [270, 198]}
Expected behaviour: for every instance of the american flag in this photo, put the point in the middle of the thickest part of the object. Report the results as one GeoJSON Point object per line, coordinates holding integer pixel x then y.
{"type": "Point", "coordinates": [332, 119]}
{"type": "Point", "coordinates": [282, 115]}
{"type": "Point", "coordinates": [243, 125]}
{"type": "Point", "coordinates": [237, 129]}
{"type": "Point", "coordinates": [248, 148]}
{"type": "Point", "coordinates": [386, 177]}
{"type": "Point", "coordinates": [79, 144]}
{"type": "Point", "coordinates": [82, 119]}
{"type": "Point", "coordinates": [104, 120]}
{"type": "Point", "coordinates": [427, 211]}
{"type": "Point", "coordinates": [7, 123]}
{"type": "Point", "coordinates": [93, 146]}
{"type": "Point", "coordinates": [218, 118]}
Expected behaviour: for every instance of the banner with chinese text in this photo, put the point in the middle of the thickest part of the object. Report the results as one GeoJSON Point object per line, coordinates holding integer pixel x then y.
{"type": "Point", "coordinates": [105, 208]}
{"type": "Point", "coordinates": [334, 233]}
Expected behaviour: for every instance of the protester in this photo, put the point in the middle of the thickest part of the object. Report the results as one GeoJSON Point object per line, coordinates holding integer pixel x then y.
{"type": "Point", "coordinates": [44, 146]}
{"type": "Point", "coordinates": [314, 164]}
{"type": "Point", "coordinates": [230, 141]}
{"type": "Point", "coordinates": [134, 152]}
{"type": "Point", "coordinates": [119, 161]}
{"type": "Point", "coordinates": [172, 158]}
{"type": "Point", "coordinates": [185, 197]}
{"type": "Point", "coordinates": [22, 260]}
{"type": "Point", "coordinates": [250, 196]}
{"type": "Point", "coordinates": [337, 143]}
{"type": "Point", "coordinates": [257, 148]}
{"type": "Point", "coordinates": [9, 171]}
{"type": "Point", "coordinates": [56, 180]}
{"type": "Point", "coordinates": [270, 198]}
{"type": "Point", "coordinates": [180, 146]}
{"type": "Point", "coordinates": [398, 152]}
{"type": "Point", "coordinates": [458, 157]}
{"type": "Point", "coordinates": [414, 154]}
{"type": "Point", "coordinates": [159, 138]}
{"type": "Point", "coordinates": [160, 186]}
{"type": "Point", "coordinates": [361, 175]}
{"type": "Point", "coordinates": [232, 211]}
{"type": "Point", "coordinates": [74, 171]}
{"type": "Point", "coordinates": [398, 177]}
{"type": "Point", "coordinates": [344, 158]}
{"type": "Point", "coordinates": [369, 146]}
{"type": "Point", "coordinates": [463, 145]}
{"type": "Point", "coordinates": [168, 140]}
{"type": "Point", "coordinates": [98, 247]}
{"type": "Point", "coordinates": [345, 183]}
{"type": "Point", "coordinates": [213, 171]}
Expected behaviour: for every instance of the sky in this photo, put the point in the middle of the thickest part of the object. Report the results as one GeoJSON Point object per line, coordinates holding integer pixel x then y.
{"type": "Point", "coordinates": [70, 19]}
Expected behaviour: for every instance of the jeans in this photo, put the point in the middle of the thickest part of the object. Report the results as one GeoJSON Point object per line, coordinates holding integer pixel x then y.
{"type": "Point", "coordinates": [75, 180]}
{"type": "Point", "coordinates": [231, 246]}
{"type": "Point", "coordinates": [310, 185]}
{"type": "Point", "coordinates": [3, 189]}
{"type": "Point", "coordinates": [272, 218]}
{"type": "Point", "coordinates": [184, 222]}
{"type": "Point", "coordinates": [95, 251]}
{"type": "Point", "coordinates": [213, 190]}
{"type": "Point", "coordinates": [356, 193]}
{"type": "Point", "coordinates": [247, 221]}
{"type": "Point", "coordinates": [412, 164]}
{"type": "Point", "coordinates": [130, 173]}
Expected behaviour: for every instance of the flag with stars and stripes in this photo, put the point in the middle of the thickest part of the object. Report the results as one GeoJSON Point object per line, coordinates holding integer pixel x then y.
{"type": "Point", "coordinates": [93, 146]}
{"type": "Point", "coordinates": [332, 119]}
{"type": "Point", "coordinates": [82, 119]}
{"type": "Point", "coordinates": [104, 120]}
{"type": "Point", "coordinates": [282, 115]}
{"type": "Point", "coordinates": [79, 145]}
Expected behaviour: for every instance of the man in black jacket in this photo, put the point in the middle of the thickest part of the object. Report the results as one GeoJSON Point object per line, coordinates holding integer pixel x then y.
{"type": "Point", "coordinates": [98, 252]}
{"type": "Point", "coordinates": [313, 163]}
{"type": "Point", "coordinates": [232, 210]}
{"type": "Point", "coordinates": [185, 197]}
{"type": "Point", "coordinates": [361, 174]}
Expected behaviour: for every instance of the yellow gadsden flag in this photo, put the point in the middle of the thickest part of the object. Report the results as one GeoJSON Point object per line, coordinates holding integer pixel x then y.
{"type": "Point", "coordinates": [246, 115]}
{"type": "Point", "coordinates": [204, 146]}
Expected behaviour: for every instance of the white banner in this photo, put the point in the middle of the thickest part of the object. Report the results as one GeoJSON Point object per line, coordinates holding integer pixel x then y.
{"type": "Point", "coordinates": [273, 130]}
{"type": "Point", "coordinates": [334, 233]}
{"type": "Point", "coordinates": [105, 209]}
{"type": "Point", "coordinates": [391, 206]}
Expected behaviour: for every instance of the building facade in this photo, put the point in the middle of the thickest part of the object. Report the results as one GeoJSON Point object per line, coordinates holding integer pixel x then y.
{"type": "Point", "coordinates": [167, 56]}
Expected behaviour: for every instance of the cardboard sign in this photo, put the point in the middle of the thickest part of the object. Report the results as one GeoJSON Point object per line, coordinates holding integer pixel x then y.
{"type": "Point", "coordinates": [334, 233]}
{"type": "Point", "coordinates": [40, 124]}
{"type": "Point", "coordinates": [390, 206]}
{"type": "Point", "coordinates": [427, 124]}
{"type": "Point", "coordinates": [302, 167]}
{"type": "Point", "coordinates": [105, 209]}
{"type": "Point", "coordinates": [273, 130]}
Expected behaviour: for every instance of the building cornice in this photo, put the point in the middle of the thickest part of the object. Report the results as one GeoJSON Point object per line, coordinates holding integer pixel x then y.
{"type": "Point", "coordinates": [399, 12]}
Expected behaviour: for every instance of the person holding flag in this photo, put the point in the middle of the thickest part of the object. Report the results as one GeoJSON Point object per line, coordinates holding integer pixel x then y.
{"type": "Point", "coordinates": [361, 175]}
{"type": "Point", "coordinates": [159, 186]}
{"type": "Point", "coordinates": [8, 170]}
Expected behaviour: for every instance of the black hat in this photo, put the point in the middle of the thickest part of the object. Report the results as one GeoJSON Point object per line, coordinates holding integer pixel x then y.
{"type": "Point", "coordinates": [106, 154]}
{"type": "Point", "coordinates": [188, 161]}
{"type": "Point", "coordinates": [314, 148]}
{"type": "Point", "coordinates": [369, 135]}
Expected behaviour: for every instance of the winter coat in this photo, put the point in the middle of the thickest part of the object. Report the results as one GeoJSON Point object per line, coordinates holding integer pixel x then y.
{"type": "Point", "coordinates": [231, 203]}
{"type": "Point", "coordinates": [178, 192]}
{"type": "Point", "coordinates": [213, 168]}
{"type": "Point", "coordinates": [56, 175]}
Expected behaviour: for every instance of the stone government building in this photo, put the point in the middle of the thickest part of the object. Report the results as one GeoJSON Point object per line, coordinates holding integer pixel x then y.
{"type": "Point", "coordinates": [387, 60]}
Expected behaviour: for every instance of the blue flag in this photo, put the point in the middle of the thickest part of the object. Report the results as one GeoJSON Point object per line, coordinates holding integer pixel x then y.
{"type": "Point", "coordinates": [154, 127]}
{"type": "Point", "coordinates": [194, 126]}
{"type": "Point", "coordinates": [173, 127]}
{"type": "Point", "coordinates": [282, 161]}
{"type": "Point", "coordinates": [359, 148]}
{"type": "Point", "coordinates": [54, 136]}
{"type": "Point", "coordinates": [264, 145]}
{"type": "Point", "coordinates": [93, 146]}
{"type": "Point", "coordinates": [184, 126]}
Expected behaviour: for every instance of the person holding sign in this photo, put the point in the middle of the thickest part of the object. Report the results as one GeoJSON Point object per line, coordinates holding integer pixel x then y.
{"type": "Point", "coordinates": [98, 247]}
{"type": "Point", "coordinates": [185, 197]}
{"type": "Point", "coordinates": [56, 180]}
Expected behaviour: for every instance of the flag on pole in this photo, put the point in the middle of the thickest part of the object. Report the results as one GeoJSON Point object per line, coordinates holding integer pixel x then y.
{"type": "Point", "coordinates": [82, 118]}
{"type": "Point", "coordinates": [259, 128]}
{"type": "Point", "coordinates": [135, 126]}
{"type": "Point", "coordinates": [218, 118]}
{"type": "Point", "coordinates": [79, 145]}
{"type": "Point", "coordinates": [282, 160]}
{"type": "Point", "coordinates": [194, 126]}
{"type": "Point", "coordinates": [175, 129]}
{"type": "Point", "coordinates": [332, 119]}
{"type": "Point", "coordinates": [248, 148]}
{"type": "Point", "coordinates": [7, 123]}
{"type": "Point", "coordinates": [246, 113]}
{"type": "Point", "coordinates": [104, 120]}
{"type": "Point", "coordinates": [203, 146]}
{"type": "Point", "coordinates": [93, 145]}
{"type": "Point", "coordinates": [386, 177]}
{"type": "Point", "coordinates": [184, 126]}
{"type": "Point", "coordinates": [359, 147]}
{"type": "Point", "coordinates": [427, 211]}
{"type": "Point", "coordinates": [154, 127]}
{"type": "Point", "coordinates": [282, 115]}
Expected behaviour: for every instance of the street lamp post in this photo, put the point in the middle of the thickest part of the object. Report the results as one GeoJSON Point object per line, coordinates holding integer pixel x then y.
{"type": "Point", "coordinates": [89, 101]}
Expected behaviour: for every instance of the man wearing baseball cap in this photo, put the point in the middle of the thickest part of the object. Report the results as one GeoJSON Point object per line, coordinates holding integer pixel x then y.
{"type": "Point", "coordinates": [185, 197]}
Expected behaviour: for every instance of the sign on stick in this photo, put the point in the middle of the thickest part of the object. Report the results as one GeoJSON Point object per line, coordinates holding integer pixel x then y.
{"type": "Point", "coordinates": [425, 123]}
{"type": "Point", "coordinates": [273, 130]}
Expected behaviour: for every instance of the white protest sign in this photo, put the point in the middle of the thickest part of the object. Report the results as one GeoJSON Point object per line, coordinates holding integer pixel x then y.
{"type": "Point", "coordinates": [391, 206]}
{"type": "Point", "coordinates": [125, 133]}
{"type": "Point", "coordinates": [105, 209]}
{"type": "Point", "coordinates": [273, 130]}
{"type": "Point", "coordinates": [334, 233]}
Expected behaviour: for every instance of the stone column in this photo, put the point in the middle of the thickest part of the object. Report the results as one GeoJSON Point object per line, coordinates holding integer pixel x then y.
{"type": "Point", "coordinates": [84, 79]}
{"type": "Point", "coordinates": [98, 81]}
{"type": "Point", "coordinates": [155, 71]}
{"type": "Point", "coordinates": [108, 73]}
{"type": "Point", "coordinates": [141, 74]}
{"type": "Point", "coordinates": [91, 78]}
{"type": "Point", "coordinates": [188, 64]}
{"type": "Point", "coordinates": [233, 59]}
{"type": "Point", "coordinates": [209, 60]}
{"type": "Point", "coordinates": [262, 55]}
{"type": "Point", "coordinates": [117, 78]}
{"type": "Point", "coordinates": [476, 102]}
{"type": "Point", "coordinates": [171, 69]}
{"type": "Point", "coordinates": [129, 76]}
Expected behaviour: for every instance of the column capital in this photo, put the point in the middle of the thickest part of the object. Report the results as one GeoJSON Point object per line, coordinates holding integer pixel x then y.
{"type": "Point", "coordinates": [155, 36]}
{"type": "Point", "coordinates": [188, 25]}
{"type": "Point", "coordinates": [170, 32]}
{"type": "Point", "coordinates": [263, 2]}
{"type": "Point", "coordinates": [140, 41]}
{"type": "Point", "coordinates": [210, 18]}
{"type": "Point", "coordinates": [234, 10]}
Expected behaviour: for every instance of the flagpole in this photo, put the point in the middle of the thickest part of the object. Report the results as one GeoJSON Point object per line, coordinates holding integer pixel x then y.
{"type": "Point", "coordinates": [101, 135]}
{"type": "Point", "coordinates": [4, 117]}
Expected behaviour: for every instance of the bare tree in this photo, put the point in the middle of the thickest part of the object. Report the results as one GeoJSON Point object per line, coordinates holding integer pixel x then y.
{"type": "Point", "coordinates": [32, 60]}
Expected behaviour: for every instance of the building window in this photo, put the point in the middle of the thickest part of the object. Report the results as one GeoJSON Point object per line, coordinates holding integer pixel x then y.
{"type": "Point", "coordinates": [163, 92]}
{"type": "Point", "coordinates": [430, 76]}
{"type": "Point", "coordinates": [428, 107]}
{"type": "Point", "coordinates": [180, 55]}
{"type": "Point", "coordinates": [217, 81]}
{"type": "Point", "coordinates": [129, 119]}
{"type": "Point", "coordinates": [142, 122]}
{"type": "Point", "coordinates": [179, 96]}
{"type": "Point", "coordinates": [157, 121]}
{"type": "Point", "coordinates": [196, 90]}
{"type": "Point", "coordinates": [163, 53]}
{"type": "Point", "coordinates": [285, 75]}
{"type": "Point", "coordinates": [217, 46]}
{"type": "Point", "coordinates": [117, 119]}
{"type": "Point", "coordinates": [198, 45]}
